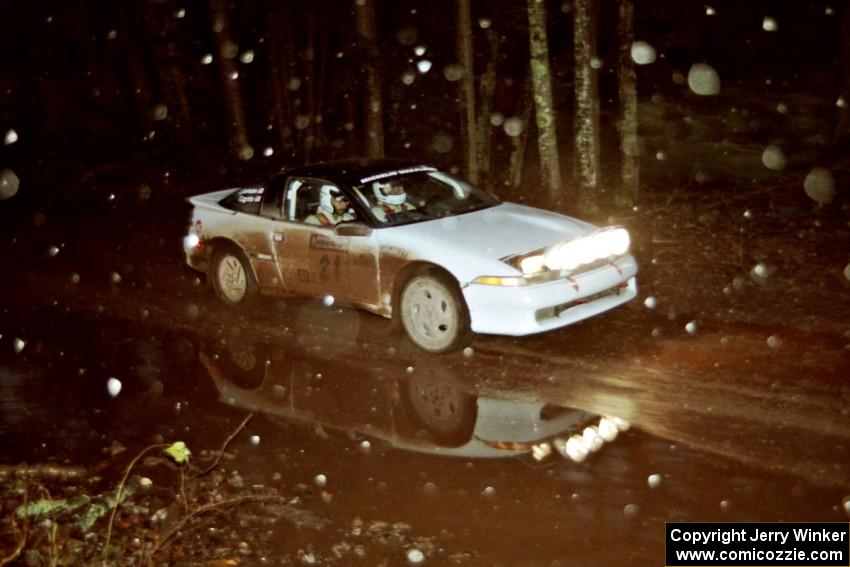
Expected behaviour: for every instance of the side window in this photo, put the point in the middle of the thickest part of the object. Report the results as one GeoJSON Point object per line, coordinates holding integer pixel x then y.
{"type": "Point", "coordinates": [289, 204]}
{"type": "Point", "coordinates": [302, 199]}
{"type": "Point", "coordinates": [274, 197]}
{"type": "Point", "coordinates": [317, 202]}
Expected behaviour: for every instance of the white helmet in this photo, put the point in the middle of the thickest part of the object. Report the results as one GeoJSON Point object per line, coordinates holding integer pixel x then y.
{"type": "Point", "coordinates": [383, 195]}
{"type": "Point", "coordinates": [326, 196]}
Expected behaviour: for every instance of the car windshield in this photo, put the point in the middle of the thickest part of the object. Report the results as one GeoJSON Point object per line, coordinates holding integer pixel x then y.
{"type": "Point", "coordinates": [421, 196]}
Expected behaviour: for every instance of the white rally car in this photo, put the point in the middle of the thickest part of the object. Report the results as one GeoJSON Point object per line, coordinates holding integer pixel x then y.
{"type": "Point", "coordinates": [415, 244]}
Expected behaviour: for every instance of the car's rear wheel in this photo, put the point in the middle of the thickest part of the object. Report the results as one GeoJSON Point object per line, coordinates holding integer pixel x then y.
{"type": "Point", "coordinates": [232, 277]}
{"type": "Point", "coordinates": [433, 313]}
{"type": "Point", "coordinates": [243, 365]}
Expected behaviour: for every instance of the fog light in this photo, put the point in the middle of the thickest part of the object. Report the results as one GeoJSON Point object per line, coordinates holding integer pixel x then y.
{"type": "Point", "coordinates": [607, 429]}
{"type": "Point", "coordinates": [590, 439]}
{"type": "Point", "coordinates": [622, 424]}
{"type": "Point", "coordinates": [191, 240]}
{"type": "Point", "coordinates": [541, 451]}
{"type": "Point", "coordinates": [574, 449]}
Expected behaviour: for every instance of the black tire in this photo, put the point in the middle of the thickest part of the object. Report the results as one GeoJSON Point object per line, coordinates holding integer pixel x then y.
{"type": "Point", "coordinates": [444, 410]}
{"type": "Point", "coordinates": [232, 277]}
{"type": "Point", "coordinates": [433, 313]}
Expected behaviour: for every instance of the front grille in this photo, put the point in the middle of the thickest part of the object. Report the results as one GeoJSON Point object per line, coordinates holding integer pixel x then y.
{"type": "Point", "coordinates": [556, 310]}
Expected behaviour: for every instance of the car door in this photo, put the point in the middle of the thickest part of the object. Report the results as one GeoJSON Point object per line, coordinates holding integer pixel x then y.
{"type": "Point", "coordinates": [263, 229]}
{"type": "Point", "coordinates": [312, 260]}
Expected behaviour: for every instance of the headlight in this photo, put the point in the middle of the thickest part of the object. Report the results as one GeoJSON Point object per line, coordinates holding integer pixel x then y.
{"type": "Point", "coordinates": [532, 264]}
{"type": "Point", "coordinates": [587, 249]}
{"type": "Point", "coordinates": [618, 241]}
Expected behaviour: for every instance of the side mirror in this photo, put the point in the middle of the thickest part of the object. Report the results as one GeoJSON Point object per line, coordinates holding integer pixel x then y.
{"type": "Point", "coordinates": [352, 229]}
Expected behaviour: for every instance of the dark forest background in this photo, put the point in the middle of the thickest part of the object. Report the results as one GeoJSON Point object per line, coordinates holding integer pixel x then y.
{"type": "Point", "coordinates": [89, 85]}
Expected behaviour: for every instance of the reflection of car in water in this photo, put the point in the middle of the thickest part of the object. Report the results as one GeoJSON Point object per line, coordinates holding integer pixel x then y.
{"type": "Point", "coordinates": [422, 409]}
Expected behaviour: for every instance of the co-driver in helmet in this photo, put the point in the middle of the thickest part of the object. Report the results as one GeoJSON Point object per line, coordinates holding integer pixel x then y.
{"type": "Point", "coordinates": [391, 198]}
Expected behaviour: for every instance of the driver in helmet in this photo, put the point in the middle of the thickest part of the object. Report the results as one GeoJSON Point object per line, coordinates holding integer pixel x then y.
{"type": "Point", "coordinates": [333, 208]}
{"type": "Point", "coordinates": [390, 198]}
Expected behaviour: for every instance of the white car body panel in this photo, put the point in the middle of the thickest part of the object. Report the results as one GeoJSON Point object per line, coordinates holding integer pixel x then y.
{"type": "Point", "coordinates": [490, 234]}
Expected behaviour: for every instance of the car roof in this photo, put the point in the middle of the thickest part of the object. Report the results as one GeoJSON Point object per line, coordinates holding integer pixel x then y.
{"type": "Point", "coordinates": [352, 171]}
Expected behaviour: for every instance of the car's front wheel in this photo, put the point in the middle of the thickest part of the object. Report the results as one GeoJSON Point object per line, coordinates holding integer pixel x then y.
{"type": "Point", "coordinates": [433, 313]}
{"type": "Point", "coordinates": [442, 408]}
{"type": "Point", "coordinates": [232, 278]}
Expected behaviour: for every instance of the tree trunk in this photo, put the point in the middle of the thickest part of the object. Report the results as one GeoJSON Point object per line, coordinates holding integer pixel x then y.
{"type": "Point", "coordinates": [309, 64]}
{"type": "Point", "coordinates": [587, 99]}
{"type": "Point", "coordinates": [842, 127]}
{"type": "Point", "coordinates": [234, 111]}
{"type": "Point", "coordinates": [467, 90]}
{"type": "Point", "coordinates": [487, 90]}
{"type": "Point", "coordinates": [131, 38]}
{"type": "Point", "coordinates": [172, 83]}
{"type": "Point", "coordinates": [349, 102]}
{"type": "Point", "coordinates": [373, 115]}
{"type": "Point", "coordinates": [519, 142]}
{"type": "Point", "coordinates": [279, 70]}
{"type": "Point", "coordinates": [320, 139]}
{"type": "Point", "coordinates": [547, 140]}
{"type": "Point", "coordinates": [628, 122]}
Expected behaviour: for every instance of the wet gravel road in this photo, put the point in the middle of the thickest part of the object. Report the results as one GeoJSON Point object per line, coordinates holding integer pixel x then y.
{"type": "Point", "coordinates": [730, 422]}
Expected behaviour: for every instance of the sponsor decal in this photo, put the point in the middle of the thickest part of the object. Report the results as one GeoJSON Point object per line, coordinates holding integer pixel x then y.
{"type": "Point", "coordinates": [251, 195]}
{"type": "Point", "coordinates": [393, 251]}
{"type": "Point", "coordinates": [324, 242]}
{"type": "Point", "coordinates": [397, 172]}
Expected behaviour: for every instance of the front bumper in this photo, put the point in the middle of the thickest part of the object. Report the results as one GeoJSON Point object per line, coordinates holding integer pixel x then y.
{"type": "Point", "coordinates": [533, 309]}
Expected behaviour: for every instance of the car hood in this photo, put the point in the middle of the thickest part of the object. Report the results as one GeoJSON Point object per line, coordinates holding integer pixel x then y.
{"type": "Point", "coordinates": [498, 232]}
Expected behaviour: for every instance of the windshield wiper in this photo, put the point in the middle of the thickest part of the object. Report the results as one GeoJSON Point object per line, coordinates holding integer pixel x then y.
{"type": "Point", "coordinates": [473, 207]}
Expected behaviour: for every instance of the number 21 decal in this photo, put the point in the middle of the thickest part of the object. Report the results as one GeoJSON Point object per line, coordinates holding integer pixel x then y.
{"type": "Point", "coordinates": [324, 263]}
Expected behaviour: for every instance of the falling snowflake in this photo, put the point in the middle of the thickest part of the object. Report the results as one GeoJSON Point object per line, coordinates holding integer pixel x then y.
{"type": "Point", "coordinates": [513, 127]}
{"type": "Point", "coordinates": [703, 79]}
{"type": "Point", "coordinates": [453, 72]}
{"type": "Point", "coordinates": [769, 24]}
{"type": "Point", "coordinates": [9, 184]}
{"type": "Point", "coordinates": [113, 386]}
{"type": "Point", "coordinates": [643, 53]}
{"type": "Point", "coordinates": [820, 185]}
{"type": "Point", "coordinates": [773, 158]}
{"type": "Point", "coordinates": [415, 557]}
{"type": "Point", "coordinates": [160, 112]}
